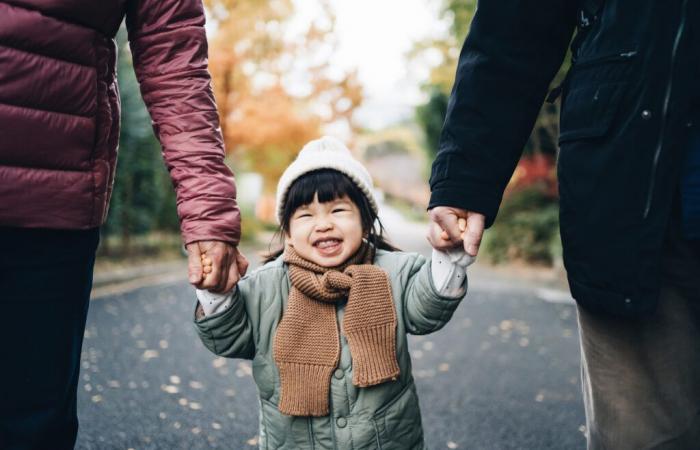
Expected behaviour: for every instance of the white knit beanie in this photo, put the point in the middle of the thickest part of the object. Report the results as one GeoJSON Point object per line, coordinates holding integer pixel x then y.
{"type": "Point", "coordinates": [325, 153]}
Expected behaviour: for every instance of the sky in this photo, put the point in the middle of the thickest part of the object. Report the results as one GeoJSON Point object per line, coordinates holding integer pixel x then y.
{"type": "Point", "coordinates": [375, 36]}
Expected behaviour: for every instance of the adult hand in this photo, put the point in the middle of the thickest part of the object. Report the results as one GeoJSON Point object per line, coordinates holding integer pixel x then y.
{"type": "Point", "coordinates": [215, 265]}
{"type": "Point", "coordinates": [450, 227]}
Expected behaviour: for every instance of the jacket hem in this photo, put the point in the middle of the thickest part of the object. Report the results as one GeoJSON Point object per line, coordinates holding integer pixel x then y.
{"type": "Point", "coordinates": [603, 302]}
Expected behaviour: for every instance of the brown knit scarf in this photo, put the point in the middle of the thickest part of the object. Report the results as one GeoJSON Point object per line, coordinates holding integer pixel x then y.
{"type": "Point", "coordinates": [307, 343]}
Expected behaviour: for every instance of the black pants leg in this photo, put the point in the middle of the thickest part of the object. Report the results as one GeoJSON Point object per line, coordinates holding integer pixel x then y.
{"type": "Point", "coordinates": [45, 282]}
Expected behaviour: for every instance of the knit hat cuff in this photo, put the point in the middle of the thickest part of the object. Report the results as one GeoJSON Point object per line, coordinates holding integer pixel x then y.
{"type": "Point", "coordinates": [325, 153]}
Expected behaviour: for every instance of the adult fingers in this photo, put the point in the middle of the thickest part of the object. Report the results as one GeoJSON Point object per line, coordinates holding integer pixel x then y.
{"type": "Point", "coordinates": [436, 237]}
{"type": "Point", "coordinates": [473, 233]}
{"type": "Point", "coordinates": [194, 264]}
{"type": "Point", "coordinates": [234, 273]}
{"type": "Point", "coordinates": [242, 262]}
{"type": "Point", "coordinates": [448, 219]}
{"type": "Point", "coordinates": [225, 272]}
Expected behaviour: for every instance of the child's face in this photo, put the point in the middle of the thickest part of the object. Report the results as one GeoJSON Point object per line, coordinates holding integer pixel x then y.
{"type": "Point", "coordinates": [327, 234]}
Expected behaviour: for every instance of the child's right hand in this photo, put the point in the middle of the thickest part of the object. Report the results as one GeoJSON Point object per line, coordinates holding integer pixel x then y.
{"type": "Point", "coordinates": [212, 302]}
{"type": "Point", "coordinates": [225, 265]}
{"type": "Point", "coordinates": [206, 265]}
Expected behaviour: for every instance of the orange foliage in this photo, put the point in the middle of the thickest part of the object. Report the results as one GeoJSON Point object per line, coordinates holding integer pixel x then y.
{"type": "Point", "coordinates": [535, 169]}
{"type": "Point", "coordinates": [272, 92]}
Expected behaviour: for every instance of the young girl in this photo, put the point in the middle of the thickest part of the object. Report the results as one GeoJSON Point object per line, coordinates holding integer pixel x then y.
{"type": "Point", "coordinates": [325, 323]}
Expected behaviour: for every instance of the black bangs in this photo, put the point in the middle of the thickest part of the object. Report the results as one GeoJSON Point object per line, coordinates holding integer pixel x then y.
{"type": "Point", "coordinates": [330, 185]}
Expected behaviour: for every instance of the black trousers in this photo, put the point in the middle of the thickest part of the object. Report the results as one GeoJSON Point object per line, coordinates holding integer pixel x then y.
{"type": "Point", "coordinates": [45, 283]}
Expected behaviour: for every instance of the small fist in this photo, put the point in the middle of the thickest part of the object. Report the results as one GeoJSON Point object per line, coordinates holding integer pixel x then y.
{"type": "Point", "coordinates": [206, 265]}
{"type": "Point", "coordinates": [462, 223]}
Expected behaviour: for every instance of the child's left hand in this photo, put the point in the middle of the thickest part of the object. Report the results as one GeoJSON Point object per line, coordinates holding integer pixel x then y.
{"type": "Point", "coordinates": [444, 236]}
{"type": "Point", "coordinates": [462, 224]}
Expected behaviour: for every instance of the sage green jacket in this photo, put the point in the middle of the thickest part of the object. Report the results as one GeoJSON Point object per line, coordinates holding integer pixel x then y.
{"type": "Point", "coordinates": [385, 416]}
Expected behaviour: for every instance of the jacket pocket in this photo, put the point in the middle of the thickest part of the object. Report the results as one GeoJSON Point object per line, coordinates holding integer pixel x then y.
{"type": "Point", "coordinates": [264, 376]}
{"type": "Point", "coordinates": [281, 432]}
{"type": "Point", "coordinates": [398, 424]}
{"type": "Point", "coordinates": [588, 111]}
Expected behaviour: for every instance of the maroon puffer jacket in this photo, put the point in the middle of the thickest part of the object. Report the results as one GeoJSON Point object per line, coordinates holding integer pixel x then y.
{"type": "Point", "coordinates": [59, 112]}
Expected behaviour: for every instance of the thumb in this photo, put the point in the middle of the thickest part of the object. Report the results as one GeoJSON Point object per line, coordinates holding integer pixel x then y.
{"type": "Point", "coordinates": [242, 263]}
{"type": "Point", "coordinates": [194, 263]}
{"type": "Point", "coordinates": [473, 233]}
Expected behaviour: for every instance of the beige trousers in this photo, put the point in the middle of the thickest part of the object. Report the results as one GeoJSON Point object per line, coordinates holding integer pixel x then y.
{"type": "Point", "coordinates": [641, 377]}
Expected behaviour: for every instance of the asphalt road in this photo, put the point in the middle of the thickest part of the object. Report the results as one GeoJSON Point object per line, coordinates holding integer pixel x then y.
{"type": "Point", "coordinates": [503, 374]}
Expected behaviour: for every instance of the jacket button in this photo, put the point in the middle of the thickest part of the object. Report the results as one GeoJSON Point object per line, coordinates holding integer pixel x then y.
{"type": "Point", "coordinates": [646, 114]}
{"type": "Point", "coordinates": [628, 301]}
{"type": "Point", "coordinates": [341, 422]}
{"type": "Point", "coordinates": [689, 124]}
{"type": "Point", "coordinates": [338, 374]}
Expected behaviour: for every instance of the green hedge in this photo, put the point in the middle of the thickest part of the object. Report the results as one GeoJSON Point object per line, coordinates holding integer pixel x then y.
{"type": "Point", "coordinates": [526, 229]}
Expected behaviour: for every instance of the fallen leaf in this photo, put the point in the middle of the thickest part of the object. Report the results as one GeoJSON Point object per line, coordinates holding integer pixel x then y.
{"type": "Point", "coordinates": [149, 354]}
{"type": "Point", "coordinates": [169, 388]}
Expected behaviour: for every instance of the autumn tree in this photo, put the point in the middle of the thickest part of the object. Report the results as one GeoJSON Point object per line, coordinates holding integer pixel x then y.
{"type": "Point", "coordinates": [459, 14]}
{"type": "Point", "coordinates": [274, 87]}
{"type": "Point", "coordinates": [143, 199]}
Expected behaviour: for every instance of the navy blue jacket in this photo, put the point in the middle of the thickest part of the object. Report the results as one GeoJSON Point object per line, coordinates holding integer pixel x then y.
{"type": "Point", "coordinates": [625, 121]}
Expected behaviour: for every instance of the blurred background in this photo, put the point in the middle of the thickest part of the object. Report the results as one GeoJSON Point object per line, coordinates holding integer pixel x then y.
{"type": "Point", "coordinates": [375, 74]}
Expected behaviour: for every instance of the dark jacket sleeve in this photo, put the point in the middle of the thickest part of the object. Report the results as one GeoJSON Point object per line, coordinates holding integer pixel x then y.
{"type": "Point", "coordinates": [513, 50]}
{"type": "Point", "coordinates": [169, 48]}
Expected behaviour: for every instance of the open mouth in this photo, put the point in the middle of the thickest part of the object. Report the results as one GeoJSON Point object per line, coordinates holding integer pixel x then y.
{"type": "Point", "coordinates": [328, 246]}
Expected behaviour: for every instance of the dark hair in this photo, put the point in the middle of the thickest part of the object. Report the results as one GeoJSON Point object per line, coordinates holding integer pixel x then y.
{"type": "Point", "coordinates": [329, 185]}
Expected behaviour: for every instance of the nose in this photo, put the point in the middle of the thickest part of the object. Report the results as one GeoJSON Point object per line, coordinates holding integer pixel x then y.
{"type": "Point", "coordinates": [324, 224]}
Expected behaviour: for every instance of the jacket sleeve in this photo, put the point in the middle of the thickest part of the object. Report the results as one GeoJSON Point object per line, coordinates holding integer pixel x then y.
{"type": "Point", "coordinates": [424, 309]}
{"type": "Point", "coordinates": [169, 49]}
{"type": "Point", "coordinates": [513, 50]}
{"type": "Point", "coordinates": [228, 333]}
{"type": "Point", "coordinates": [251, 319]}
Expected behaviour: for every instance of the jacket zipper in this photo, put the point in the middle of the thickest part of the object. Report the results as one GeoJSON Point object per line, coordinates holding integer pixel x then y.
{"type": "Point", "coordinates": [311, 432]}
{"type": "Point", "coordinates": [557, 91]}
{"type": "Point", "coordinates": [607, 58]}
{"type": "Point", "coordinates": [664, 118]}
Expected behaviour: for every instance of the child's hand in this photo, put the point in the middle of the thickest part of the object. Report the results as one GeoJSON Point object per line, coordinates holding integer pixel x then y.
{"type": "Point", "coordinates": [462, 224]}
{"type": "Point", "coordinates": [206, 265]}
{"type": "Point", "coordinates": [450, 227]}
{"type": "Point", "coordinates": [207, 269]}
{"type": "Point", "coordinates": [445, 237]}
{"type": "Point", "coordinates": [214, 265]}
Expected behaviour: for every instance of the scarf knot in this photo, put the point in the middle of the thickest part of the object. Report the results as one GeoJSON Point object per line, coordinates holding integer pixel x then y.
{"type": "Point", "coordinates": [338, 281]}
